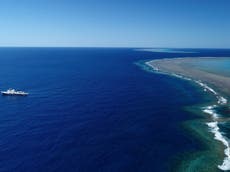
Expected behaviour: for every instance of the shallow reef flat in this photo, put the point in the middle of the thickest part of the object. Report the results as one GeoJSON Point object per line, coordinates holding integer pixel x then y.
{"type": "Point", "coordinates": [194, 69]}
{"type": "Point", "coordinates": [212, 74]}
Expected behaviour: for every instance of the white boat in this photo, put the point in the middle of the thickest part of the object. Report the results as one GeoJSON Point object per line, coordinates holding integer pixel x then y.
{"type": "Point", "coordinates": [13, 92]}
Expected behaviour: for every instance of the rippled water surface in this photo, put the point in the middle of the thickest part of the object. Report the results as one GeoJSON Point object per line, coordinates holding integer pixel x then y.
{"type": "Point", "coordinates": [92, 109]}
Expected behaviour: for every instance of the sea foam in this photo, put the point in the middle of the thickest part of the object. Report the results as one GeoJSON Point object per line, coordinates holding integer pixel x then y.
{"type": "Point", "coordinates": [214, 125]}
{"type": "Point", "coordinates": [211, 111]}
{"type": "Point", "coordinates": [219, 136]}
{"type": "Point", "coordinates": [220, 99]}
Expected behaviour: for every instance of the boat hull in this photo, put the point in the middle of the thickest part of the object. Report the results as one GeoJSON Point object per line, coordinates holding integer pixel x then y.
{"type": "Point", "coordinates": [8, 94]}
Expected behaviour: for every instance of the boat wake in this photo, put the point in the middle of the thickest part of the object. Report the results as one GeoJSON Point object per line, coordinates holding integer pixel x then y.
{"type": "Point", "coordinates": [213, 125]}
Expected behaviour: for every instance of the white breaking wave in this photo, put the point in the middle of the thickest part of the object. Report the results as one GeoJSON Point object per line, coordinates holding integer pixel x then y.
{"type": "Point", "coordinates": [182, 77]}
{"type": "Point", "coordinates": [214, 125]}
{"type": "Point", "coordinates": [211, 111]}
{"type": "Point", "coordinates": [219, 136]}
{"type": "Point", "coordinates": [206, 87]}
{"type": "Point", "coordinates": [220, 99]}
{"type": "Point", "coordinates": [154, 68]}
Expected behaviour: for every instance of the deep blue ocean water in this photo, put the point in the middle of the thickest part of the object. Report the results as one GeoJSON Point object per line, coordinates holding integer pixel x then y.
{"type": "Point", "coordinates": [92, 109]}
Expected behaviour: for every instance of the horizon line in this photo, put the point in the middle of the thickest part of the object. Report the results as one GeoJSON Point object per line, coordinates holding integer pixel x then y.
{"type": "Point", "coordinates": [112, 47]}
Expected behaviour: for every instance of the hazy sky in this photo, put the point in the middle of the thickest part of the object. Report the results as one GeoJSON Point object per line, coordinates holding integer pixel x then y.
{"type": "Point", "coordinates": [119, 23]}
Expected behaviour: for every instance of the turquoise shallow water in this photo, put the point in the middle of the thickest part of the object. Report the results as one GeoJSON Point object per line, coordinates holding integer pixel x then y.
{"type": "Point", "coordinates": [217, 121]}
{"type": "Point", "coordinates": [92, 109]}
{"type": "Point", "coordinates": [216, 65]}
